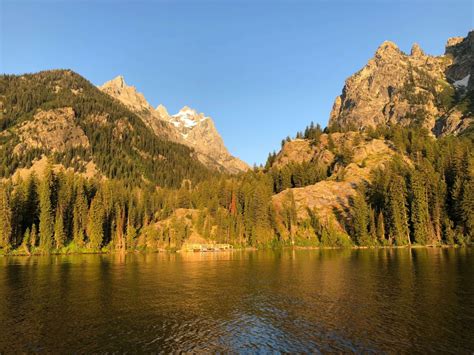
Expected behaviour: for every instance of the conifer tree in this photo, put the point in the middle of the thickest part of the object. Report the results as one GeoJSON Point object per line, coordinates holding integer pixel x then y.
{"type": "Point", "coordinates": [46, 218]}
{"type": "Point", "coordinates": [380, 229]}
{"type": "Point", "coordinates": [5, 219]}
{"type": "Point", "coordinates": [33, 237]}
{"type": "Point", "coordinates": [420, 216]}
{"type": "Point", "coordinates": [95, 222]}
{"type": "Point", "coordinates": [372, 227]}
{"type": "Point", "coordinates": [397, 212]}
{"type": "Point", "coordinates": [467, 207]}
{"type": "Point", "coordinates": [59, 233]}
{"type": "Point", "coordinates": [26, 241]}
{"type": "Point", "coordinates": [80, 212]}
{"type": "Point", "coordinates": [361, 217]}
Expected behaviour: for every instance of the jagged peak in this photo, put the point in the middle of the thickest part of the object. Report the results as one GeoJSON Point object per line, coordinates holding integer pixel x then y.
{"type": "Point", "coordinates": [454, 41]}
{"type": "Point", "coordinates": [118, 82]}
{"type": "Point", "coordinates": [188, 110]}
{"type": "Point", "coordinates": [416, 50]}
{"type": "Point", "coordinates": [387, 46]}
{"type": "Point", "coordinates": [162, 111]}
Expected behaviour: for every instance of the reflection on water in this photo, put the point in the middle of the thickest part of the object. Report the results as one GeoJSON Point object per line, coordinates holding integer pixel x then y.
{"type": "Point", "coordinates": [328, 300]}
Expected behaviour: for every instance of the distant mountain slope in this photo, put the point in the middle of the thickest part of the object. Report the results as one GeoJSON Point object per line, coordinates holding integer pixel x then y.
{"type": "Point", "coordinates": [186, 127]}
{"type": "Point", "coordinates": [396, 88]}
{"type": "Point", "coordinates": [60, 114]}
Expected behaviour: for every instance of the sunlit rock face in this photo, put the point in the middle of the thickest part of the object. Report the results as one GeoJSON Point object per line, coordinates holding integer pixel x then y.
{"type": "Point", "coordinates": [187, 127]}
{"type": "Point", "coordinates": [399, 88]}
{"type": "Point", "coordinates": [199, 132]}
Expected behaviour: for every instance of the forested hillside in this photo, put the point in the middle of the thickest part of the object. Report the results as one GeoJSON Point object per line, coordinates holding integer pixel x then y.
{"type": "Point", "coordinates": [60, 114]}
{"type": "Point", "coordinates": [422, 195]}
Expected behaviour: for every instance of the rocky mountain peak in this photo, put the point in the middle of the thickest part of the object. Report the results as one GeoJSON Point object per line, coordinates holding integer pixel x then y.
{"type": "Point", "coordinates": [118, 82]}
{"type": "Point", "coordinates": [453, 41]}
{"type": "Point", "coordinates": [416, 51]}
{"type": "Point", "coordinates": [387, 49]}
{"type": "Point", "coordinates": [186, 119]}
{"type": "Point", "coordinates": [128, 95]}
{"type": "Point", "coordinates": [396, 88]}
{"type": "Point", "coordinates": [162, 111]}
{"type": "Point", "coordinates": [187, 127]}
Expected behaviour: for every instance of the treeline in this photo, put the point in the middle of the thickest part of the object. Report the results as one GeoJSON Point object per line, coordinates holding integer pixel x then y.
{"type": "Point", "coordinates": [428, 200]}
{"type": "Point", "coordinates": [64, 212]}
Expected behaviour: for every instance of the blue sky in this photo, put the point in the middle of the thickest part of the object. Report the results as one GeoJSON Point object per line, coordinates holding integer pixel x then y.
{"type": "Point", "coordinates": [262, 69]}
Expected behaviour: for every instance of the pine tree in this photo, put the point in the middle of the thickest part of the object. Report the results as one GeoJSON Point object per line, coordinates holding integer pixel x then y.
{"type": "Point", "coordinates": [119, 227]}
{"type": "Point", "coordinates": [26, 241]}
{"type": "Point", "coordinates": [33, 237]}
{"type": "Point", "coordinates": [397, 212]}
{"type": "Point", "coordinates": [360, 214]}
{"type": "Point", "coordinates": [80, 212]}
{"type": "Point", "coordinates": [5, 219]}
{"type": "Point", "coordinates": [380, 229]}
{"type": "Point", "coordinates": [372, 228]}
{"type": "Point", "coordinates": [420, 216]}
{"type": "Point", "coordinates": [59, 234]}
{"type": "Point", "coordinates": [46, 219]}
{"type": "Point", "coordinates": [95, 222]}
{"type": "Point", "coordinates": [467, 207]}
{"type": "Point", "coordinates": [30, 214]}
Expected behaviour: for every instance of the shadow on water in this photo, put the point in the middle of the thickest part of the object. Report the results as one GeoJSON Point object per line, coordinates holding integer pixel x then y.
{"type": "Point", "coordinates": [286, 300]}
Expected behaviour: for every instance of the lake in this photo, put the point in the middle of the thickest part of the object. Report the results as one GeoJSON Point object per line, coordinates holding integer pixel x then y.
{"type": "Point", "coordinates": [243, 301]}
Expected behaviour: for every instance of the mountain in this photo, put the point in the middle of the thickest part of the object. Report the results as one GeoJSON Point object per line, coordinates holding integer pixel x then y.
{"type": "Point", "coordinates": [136, 102]}
{"type": "Point", "coordinates": [61, 115]}
{"type": "Point", "coordinates": [345, 162]}
{"type": "Point", "coordinates": [434, 92]}
{"type": "Point", "coordinates": [186, 127]}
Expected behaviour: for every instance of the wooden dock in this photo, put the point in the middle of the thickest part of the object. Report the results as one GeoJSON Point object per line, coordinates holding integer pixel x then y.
{"type": "Point", "coordinates": [197, 247]}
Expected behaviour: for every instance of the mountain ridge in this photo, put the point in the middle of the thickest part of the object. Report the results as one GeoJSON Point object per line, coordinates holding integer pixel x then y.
{"type": "Point", "coordinates": [187, 127]}
{"type": "Point", "coordinates": [399, 88]}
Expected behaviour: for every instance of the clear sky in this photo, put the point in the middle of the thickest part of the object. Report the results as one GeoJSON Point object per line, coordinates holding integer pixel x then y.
{"type": "Point", "coordinates": [262, 69]}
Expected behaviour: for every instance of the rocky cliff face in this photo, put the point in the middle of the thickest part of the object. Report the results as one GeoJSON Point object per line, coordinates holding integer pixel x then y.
{"type": "Point", "coordinates": [198, 131]}
{"type": "Point", "coordinates": [399, 88]}
{"type": "Point", "coordinates": [136, 102]}
{"type": "Point", "coordinates": [330, 198]}
{"type": "Point", "coordinates": [187, 127]}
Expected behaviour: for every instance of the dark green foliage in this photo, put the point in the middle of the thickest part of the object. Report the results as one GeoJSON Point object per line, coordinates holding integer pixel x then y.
{"type": "Point", "coordinates": [430, 201]}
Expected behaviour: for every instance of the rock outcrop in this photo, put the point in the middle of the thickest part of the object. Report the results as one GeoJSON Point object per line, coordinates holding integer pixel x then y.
{"type": "Point", "coordinates": [199, 132]}
{"type": "Point", "coordinates": [53, 130]}
{"type": "Point", "coordinates": [187, 127]}
{"type": "Point", "coordinates": [330, 199]}
{"type": "Point", "coordinates": [136, 102]}
{"type": "Point", "coordinates": [397, 88]}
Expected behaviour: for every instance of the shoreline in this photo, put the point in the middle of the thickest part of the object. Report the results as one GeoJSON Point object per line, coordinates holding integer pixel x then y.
{"type": "Point", "coordinates": [289, 247]}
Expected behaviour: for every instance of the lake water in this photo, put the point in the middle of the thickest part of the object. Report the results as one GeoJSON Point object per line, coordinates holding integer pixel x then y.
{"type": "Point", "coordinates": [245, 301]}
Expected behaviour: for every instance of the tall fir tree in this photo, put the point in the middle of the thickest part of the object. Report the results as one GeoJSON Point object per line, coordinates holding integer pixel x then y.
{"type": "Point", "coordinates": [420, 217]}
{"type": "Point", "coordinates": [95, 222]}
{"type": "Point", "coordinates": [397, 211]}
{"type": "Point", "coordinates": [59, 233]}
{"type": "Point", "coordinates": [5, 219]}
{"type": "Point", "coordinates": [360, 212]}
{"type": "Point", "coordinates": [46, 217]}
{"type": "Point", "coordinates": [80, 212]}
